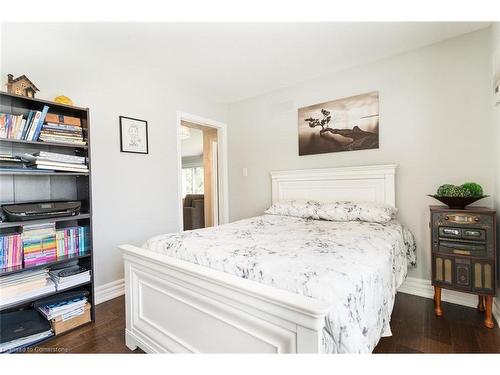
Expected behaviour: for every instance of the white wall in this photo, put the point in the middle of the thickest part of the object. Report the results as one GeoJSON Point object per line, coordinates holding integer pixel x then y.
{"type": "Point", "coordinates": [496, 77]}
{"type": "Point", "coordinates": [134, 196]}
{"type": "Point", "coordinates": [435, 123]}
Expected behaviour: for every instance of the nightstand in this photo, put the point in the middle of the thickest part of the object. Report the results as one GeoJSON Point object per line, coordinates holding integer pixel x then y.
{"type": "Point", "coordinates": [464, 255]}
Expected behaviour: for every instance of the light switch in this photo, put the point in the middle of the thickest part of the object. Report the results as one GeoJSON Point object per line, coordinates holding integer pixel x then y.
{"type": "Point", "coordinates": [245, 172]}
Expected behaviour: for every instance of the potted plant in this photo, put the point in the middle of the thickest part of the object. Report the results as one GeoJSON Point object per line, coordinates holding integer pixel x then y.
{"type": "Point", "coordinates": [458, 197]}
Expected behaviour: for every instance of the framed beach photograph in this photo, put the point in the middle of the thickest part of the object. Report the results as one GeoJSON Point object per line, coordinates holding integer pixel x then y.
{"type": "Point", "coordinates": [133, 135]}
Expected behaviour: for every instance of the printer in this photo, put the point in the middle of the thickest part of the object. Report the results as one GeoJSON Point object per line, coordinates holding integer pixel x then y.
{"type": "Point", "coordinates": [40, 210]}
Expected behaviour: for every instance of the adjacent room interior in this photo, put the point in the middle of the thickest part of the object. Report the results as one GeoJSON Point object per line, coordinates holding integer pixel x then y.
{"type": "Point", "coordinates": [200, 183]}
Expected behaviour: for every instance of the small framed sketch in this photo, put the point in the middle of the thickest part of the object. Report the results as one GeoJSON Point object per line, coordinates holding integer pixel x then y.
{"type": "Point", "coordinates": [133, 135]}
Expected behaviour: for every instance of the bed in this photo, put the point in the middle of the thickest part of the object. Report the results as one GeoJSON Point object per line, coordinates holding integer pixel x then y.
{"type": "Point", "coordinates": [273, 283]}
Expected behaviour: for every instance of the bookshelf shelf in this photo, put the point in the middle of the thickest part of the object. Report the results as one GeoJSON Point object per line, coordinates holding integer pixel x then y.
{"type": "Point", "coordinates": [26, 348]}
{"type": "Point", "coordinates": [40, 173]}
{"type": "Point", "coordinates": [13, 224]}
{"type": "Point", "coordinates": [9, 271]}
{"type": "Point", "coordinates": [42, 144]}
{"type": "Point", "coordinates": [40, 296]}
{"type": "Point", "coordinates": [28, 185]}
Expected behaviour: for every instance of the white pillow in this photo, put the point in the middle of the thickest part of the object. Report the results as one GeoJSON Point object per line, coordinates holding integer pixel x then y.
{"type": "Point", "coordinates": [297, 208]}
{"type": "Point", "coordinates": [357, 211]}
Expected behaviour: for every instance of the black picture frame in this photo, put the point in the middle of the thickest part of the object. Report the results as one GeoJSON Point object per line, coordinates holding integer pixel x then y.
{"type": "Point", "coordinates": [141, 122]}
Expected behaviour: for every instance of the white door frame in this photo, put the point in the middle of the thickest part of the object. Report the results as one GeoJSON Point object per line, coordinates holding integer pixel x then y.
{"type": "Point", "coordinates": [222, 173]}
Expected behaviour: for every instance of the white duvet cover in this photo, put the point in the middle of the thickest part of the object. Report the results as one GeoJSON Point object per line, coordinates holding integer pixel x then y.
{"type": "Point", "coordinates": [354, 266]}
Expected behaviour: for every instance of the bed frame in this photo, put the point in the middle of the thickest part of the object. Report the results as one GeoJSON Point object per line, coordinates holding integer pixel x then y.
{"type": "Point", "coordinates": [173, 306]}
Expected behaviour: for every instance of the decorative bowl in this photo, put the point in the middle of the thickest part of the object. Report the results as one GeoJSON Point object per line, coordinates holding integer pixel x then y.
{"type": "Point", "coordinates": [458, 203]}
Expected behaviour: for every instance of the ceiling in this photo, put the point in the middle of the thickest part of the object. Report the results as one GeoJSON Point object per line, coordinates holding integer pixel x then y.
{"type": "Point", "coordinates": [228, 61]}
{"type": "Point", "coordinates": [193, 146]}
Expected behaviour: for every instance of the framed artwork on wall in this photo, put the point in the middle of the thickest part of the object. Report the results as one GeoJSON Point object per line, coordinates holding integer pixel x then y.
{"type": "Point", "coordinates": [346, 124]}
{"type": "Point", "coordinates": [133, 135]}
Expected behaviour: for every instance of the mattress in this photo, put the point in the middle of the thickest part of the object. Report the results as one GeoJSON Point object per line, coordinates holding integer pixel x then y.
{"type": "Point", "coordinates": [354, 266]}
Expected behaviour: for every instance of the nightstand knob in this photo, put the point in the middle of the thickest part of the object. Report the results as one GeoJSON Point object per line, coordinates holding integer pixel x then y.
{"type": "Point", "coordinates": [447, 218]}
{"type": "Point", "coordinates": [476, 219]}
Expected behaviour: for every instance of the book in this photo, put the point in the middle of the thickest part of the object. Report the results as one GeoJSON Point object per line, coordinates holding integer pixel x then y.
{"type": "Point", "coordinates": [56, 164]}
{"type": "Point", "coordinates": [53, 156]}
{"type": "Point", "coordinates": [61, 169]}
{"type": "Point", "coordinates": [63, 141]}
{"type": "Point", "coordinates": [61, 119]}
{"type": "Point", "coordinates": [40, 123]}
{"type": "Point", "coordinates": [27, 125]}
{"type": "Point", "coordinates": [56, 126]}
{"type": "Point", "coordinates": [33, 125]}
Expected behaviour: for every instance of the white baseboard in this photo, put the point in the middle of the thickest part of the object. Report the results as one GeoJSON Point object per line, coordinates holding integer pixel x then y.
{"type": "Point", "coordinates": [412, 285]}
{"type": "Point", "coordinates": [423, 288]}
{"type": "Point", "coordinates": [109, 291]}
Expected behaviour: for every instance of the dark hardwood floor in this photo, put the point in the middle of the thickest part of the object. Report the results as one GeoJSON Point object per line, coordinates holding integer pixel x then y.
{"type": "Point", "coordinates": [415, 330]}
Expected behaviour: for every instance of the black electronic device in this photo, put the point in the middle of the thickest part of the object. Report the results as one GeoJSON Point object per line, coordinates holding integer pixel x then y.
{"type": "Point", "coordinates": [22, 323]}
{"type": "Point", "coordinates": [40, 210]}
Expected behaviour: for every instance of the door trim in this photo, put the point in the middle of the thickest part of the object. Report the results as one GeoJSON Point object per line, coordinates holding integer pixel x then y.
{"type": "Point", "coordinates": [223, 169]}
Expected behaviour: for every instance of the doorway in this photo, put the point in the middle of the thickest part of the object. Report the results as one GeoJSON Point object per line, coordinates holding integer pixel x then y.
{"type": "Point", "coordinates": [202, 172]}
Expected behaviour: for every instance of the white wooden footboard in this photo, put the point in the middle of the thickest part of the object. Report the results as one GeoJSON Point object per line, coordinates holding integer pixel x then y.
{"type": "Point", "coordinates": [176, 306]}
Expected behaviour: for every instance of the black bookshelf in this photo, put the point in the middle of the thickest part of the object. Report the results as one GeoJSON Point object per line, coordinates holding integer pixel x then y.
{"type": "Point", "coordinates": [24, 185]}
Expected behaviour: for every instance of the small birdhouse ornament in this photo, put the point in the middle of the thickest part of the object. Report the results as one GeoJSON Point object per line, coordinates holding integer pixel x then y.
{"type": "Point", "coordinates": [21, 86]}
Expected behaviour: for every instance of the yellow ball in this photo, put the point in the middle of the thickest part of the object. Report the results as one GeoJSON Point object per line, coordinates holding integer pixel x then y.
{"type": "Point", "coordinates": [63, 100]}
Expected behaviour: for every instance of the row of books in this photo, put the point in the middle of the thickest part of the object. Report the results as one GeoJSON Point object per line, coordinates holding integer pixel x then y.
{"type": "Point", "coordinates": [11, 250]}
{"type": "Point", "coordinates": [42, 126]}
{"type": "Point", "coordinates": [18, 127]}
{"type": "Point", "coordinates": [70, 241]}
{"type": "Point", "coordinates": [42, 243]}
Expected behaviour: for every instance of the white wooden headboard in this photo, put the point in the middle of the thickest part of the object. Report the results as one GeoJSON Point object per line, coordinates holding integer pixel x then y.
{"type": "Point", "coordinates": [375, 183]}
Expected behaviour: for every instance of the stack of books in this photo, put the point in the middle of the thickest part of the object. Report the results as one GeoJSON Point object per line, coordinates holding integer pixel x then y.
{"type": "Point", "coordinates": [62, 129]}
{"type": "Point", "coordinates": [72, 241]}
{"type": "Point", "coordinates": [68, 276]}
{"type": "Point", "coordinates": [18, 127]}
{"type": "Point", "coordinates": [44, 160]}
{"type": "Point", "coordinates": [9, 162]}
{"type": "Point", "coordinates": [39, 244]}
{"type": "Point", "coordinates": [11, 250]}
{"type": "Point", "coordinates": [24, 286]}
{"type": "Point", "coordinates": [65, 310]}
{"type": "Point", "coordinates": [19, 329]}
{"type": "Point", "coordinates": [64, 305]}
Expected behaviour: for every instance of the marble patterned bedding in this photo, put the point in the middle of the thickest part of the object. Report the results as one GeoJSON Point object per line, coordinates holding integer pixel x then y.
{"type": "Point", "coordinates": [355, 266]}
